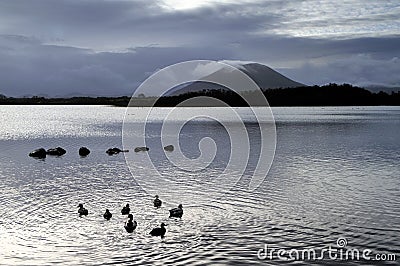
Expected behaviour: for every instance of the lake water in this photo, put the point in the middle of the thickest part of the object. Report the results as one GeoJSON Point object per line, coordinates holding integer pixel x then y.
{"type": "Point", "coordinates": [335, 174]}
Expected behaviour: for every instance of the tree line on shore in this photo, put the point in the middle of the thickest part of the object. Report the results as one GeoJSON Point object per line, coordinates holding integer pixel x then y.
{"type": "Point", "coordinates": [327, 95]}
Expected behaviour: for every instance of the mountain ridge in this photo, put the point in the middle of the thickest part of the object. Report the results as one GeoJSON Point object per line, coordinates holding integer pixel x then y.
{"type": "Point", "coordinates": [264, 76]}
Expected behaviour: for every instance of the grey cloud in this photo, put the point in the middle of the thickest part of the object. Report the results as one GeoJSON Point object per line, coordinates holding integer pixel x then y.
{"type": "Point", "coordinates": [284, 49]}
{"type": "Point", "coordinates": [361, 70]}
{"type": "Point", "coordinates": [124, 41]}
{"type": "Point", "coordinates": [361, 61]}
{"type": "Point", "coordinates": [120, 23]}
{"type": "Point", "coordinates": [56, 70]}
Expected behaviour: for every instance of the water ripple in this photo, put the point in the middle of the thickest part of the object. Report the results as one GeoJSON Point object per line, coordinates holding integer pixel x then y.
{"type": "Point", "coordinates": [326, 182]}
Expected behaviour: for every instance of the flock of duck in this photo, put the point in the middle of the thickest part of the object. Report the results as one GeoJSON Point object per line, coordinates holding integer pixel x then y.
{"type": "Point", "coordinates": [130, 224]}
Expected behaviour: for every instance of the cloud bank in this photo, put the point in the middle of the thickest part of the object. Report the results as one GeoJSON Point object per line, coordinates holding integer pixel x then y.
{"type": "Point", "coordinates": [88, 47]}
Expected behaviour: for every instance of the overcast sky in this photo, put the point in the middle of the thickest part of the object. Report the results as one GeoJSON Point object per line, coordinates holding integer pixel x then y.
{"type": "Point", "coordinates": [108, 47]}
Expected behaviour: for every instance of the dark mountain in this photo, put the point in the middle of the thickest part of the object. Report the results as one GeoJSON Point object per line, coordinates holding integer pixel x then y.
{"type": "Point", "coordinates": [265, 77]}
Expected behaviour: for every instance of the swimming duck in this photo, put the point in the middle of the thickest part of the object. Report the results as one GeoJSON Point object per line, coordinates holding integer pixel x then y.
{"type": "Point", "coordinates": [176, 212]}
{"type": "Point", "coordinates": [126, 210]}
{"type": "Point", "coordinates": [159, 231]}
{"type": "Point", "coordinates": [130, 225]}
{"type": "Point", "coordinates": [82, 211]}
{"type": "Point", "coordinates": [107, 215]}
{"type": "Point", "coordinates": [157, 202]}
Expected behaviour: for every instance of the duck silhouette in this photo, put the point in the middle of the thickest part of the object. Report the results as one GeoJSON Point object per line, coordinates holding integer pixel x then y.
{"type": "Point", "coordinates": [157, 202]}
{"type": "Point", "coordinates": [107, 215]}
{"type": "Point", "coordinates": [130, 225]}
{"type": "Point", "coordinates": [126, 210]}
{"type": "Point", "coordinates": [159, 231]}
{"type": "Point", "coordinates": [176, 212]}
{"type": "Point", "coordinates": [82, 210]}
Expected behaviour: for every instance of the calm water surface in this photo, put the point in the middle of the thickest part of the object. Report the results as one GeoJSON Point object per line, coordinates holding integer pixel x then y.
{"type": "Point", "coordinates": [335, 174]}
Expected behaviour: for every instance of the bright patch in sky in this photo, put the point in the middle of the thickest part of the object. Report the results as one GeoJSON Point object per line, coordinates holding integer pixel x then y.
{"type": "Point", "coordinates": [192, 4]}
{"type": "Point", "coordinates": [181, 5]}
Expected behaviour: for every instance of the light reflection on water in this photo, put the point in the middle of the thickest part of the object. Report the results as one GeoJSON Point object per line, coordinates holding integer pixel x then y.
{"type": "Point", "coordinates": [335, 174]}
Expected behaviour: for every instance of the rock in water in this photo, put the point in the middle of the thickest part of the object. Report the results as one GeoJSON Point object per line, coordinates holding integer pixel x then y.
{"type": "Point", "coordinates": [56, 151]}
{"type": "Point", "coordinates": [138, 149]}
{"type": "Point", "coordinates": [169, 148]}
{"type": "Point", "coordinates": [39, 153]}
{"type": "Point", "coordinates": [113, 151]}
{"type": "Point", "coordinates": [83, 151]}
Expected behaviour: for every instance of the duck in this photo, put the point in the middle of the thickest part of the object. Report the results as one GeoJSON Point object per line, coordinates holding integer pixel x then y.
{"type": "Point", "coordinates": [107, 215]}
{"type": "Point", "coordinates": [82, 210]}
{"type": "Point", "coordinates": [157, 202]}
{"type": "Point", "coordinates": [126, 210]}
{"type": "Point", "coordinates": [176, 212]}
{"type": "Point", "coordinates": [159, 231]}
{"type": "Point", "coordinates": [130, 225]}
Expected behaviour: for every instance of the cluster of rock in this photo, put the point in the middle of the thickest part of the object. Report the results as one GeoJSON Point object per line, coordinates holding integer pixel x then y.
{"type": "Point", "coordinates": [42, 153]}
{"type": "Point", "coordinates": [83, 151]}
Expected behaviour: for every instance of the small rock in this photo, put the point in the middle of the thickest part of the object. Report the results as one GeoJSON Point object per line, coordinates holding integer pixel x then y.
{"type": "Point", "coordinates": [169, 148]}
{"type": "Point", "coordinates": [56, 151]}
{"type": "Point", "coordinates": [39, 153]}
{"type": "Point", "coordinates": [138, 149]}
{"type": "Point", "coordinates": [83, 151]}
{"type": "Point", "coordinates": [113, 151]}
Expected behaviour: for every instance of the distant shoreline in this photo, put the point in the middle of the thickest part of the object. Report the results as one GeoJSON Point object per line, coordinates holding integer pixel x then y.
{"type": "Point", "coordinates": [329, 95]}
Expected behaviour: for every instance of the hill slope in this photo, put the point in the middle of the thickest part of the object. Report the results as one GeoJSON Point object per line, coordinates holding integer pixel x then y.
{"type": "Point", "coordinates": [265, 77]}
